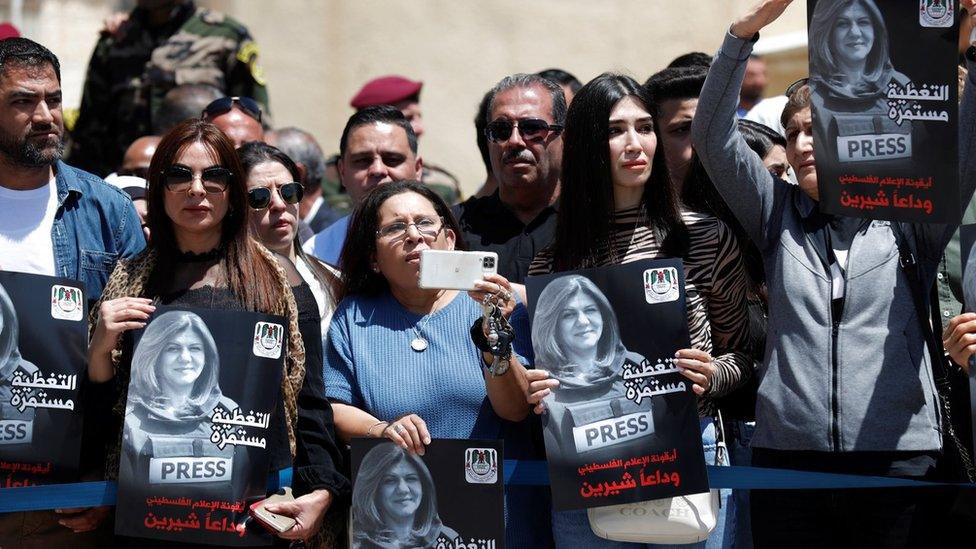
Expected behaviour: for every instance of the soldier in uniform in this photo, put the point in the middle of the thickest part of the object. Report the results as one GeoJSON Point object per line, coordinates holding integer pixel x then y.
{"type": "Point", "coordinates": [163, 44]}
{"type": "Point", "coordinates": [404, 94]}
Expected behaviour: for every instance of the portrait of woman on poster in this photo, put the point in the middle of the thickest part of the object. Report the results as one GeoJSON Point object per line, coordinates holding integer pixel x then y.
{"type": "Point", "coordinates": [394, 502]}
{"type": "Point", "coordinates": [577, 340]}
{"type": "Point", "coordinates": [173, 392]}
{"type": "Point", "coordinates": [11, 361]}
{"type": "Point", "coordinates": [851, 71]}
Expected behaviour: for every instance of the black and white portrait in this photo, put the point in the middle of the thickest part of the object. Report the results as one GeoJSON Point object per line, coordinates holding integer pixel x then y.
{"type": "Point", "coordinates": [622, 425]}
{"type": "Point", "coordinates": [16, 422]}
{"type": "Point", "coordinates": [173, 392]}
{"type": "Point", "coordinates": [394, 502]}
{"type": "Point", "coordinates": [200, 416]}
{"type": "Point", "coordinates": [851, 74]}
{"type": "Point", "coordinates": [577, 340]}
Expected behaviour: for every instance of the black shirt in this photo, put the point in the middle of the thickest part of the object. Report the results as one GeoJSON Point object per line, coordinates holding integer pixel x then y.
{"type": "Point", "coordinates": [488, 225]}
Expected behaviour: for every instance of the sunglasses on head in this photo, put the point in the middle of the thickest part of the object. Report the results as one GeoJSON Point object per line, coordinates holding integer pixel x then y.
{"type": "Point", "coordinates": [792, 88]}
{"type": "Point", "coordinates": [179, 179]}
{"type": "Point", "coordinates": [142, 172]}
{"type": "Point", "coordinates": [219, 106]}
{"type": "Point", "coordinates": [259, 198]}
{"type": "Point", "coordinates": [531, 129]}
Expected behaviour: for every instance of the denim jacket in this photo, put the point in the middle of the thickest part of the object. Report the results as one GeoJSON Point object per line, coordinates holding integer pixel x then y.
{"type": "Point", "coordinates": [95, 225]}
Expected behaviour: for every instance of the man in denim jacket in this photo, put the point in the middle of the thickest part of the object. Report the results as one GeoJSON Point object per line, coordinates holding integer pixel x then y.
{"type": "Point", "coordinates": [54, 220]}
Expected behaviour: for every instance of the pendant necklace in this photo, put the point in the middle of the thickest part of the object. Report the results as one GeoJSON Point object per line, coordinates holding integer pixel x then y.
{"type": "Point", "coordinates": [419, 343]}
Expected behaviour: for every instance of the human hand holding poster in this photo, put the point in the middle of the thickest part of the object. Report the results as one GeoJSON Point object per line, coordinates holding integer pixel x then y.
{"type": "Point", "coordinates": [203, 386]}
{"type": "Point", "coordinates": [883, 83]}
{"type": "Point", "coordinates": [449, 498]}
{"type": "Point", "coordinates": [622, 426]}
{"type": "Point", "coordinates": [43, 343]}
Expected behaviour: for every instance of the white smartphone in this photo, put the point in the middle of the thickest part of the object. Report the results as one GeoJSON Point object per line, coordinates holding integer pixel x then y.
{"type": "Point", "coordinates": [455, 270]}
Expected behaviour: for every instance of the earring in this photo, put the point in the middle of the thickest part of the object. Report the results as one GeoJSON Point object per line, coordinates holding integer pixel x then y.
{"type": "Point", "coordinates": [376, 268]}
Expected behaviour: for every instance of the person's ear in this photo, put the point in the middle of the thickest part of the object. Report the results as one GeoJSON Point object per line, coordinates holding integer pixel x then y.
{"type": "Point", "coordinates": [419, 167]}
{"type": "Point", "coordinates": [450, 237]}
{"type": "Point", "coordinates": [340, 166]}
{"type": "Point", "coordinates": [302, 173]}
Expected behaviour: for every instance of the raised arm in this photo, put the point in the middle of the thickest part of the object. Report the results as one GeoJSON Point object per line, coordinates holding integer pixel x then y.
{"type": "Point", "coordinates": [735, 169]}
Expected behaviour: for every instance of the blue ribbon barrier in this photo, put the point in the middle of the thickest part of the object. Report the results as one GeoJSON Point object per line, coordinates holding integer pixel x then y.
{"type": "Point", "coordinates": [517, 472]}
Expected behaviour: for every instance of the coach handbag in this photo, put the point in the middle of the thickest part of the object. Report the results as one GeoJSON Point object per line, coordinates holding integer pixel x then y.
{"type": "Point", "coordinates": [678, 520]}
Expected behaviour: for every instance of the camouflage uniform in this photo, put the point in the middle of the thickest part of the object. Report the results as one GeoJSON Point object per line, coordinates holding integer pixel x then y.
{"type": "Point", "coordinates": [131, 70]}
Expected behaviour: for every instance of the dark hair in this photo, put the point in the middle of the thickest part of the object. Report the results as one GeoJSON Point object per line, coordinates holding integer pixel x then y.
{"type": "Point", "coordinates": [257, 152]}
{"type": "Point", "coordinates": [249, 276]}
{"type": "Point", "coordinates": [302, 147]}
{"type": "Point", "coordinates": [359, 250]}
{"type": "Point", "coordinates": [25, 52]}
{"type": "Point", "coordinates": [797, 102]}
{"type": "Point", "coordinates": [377, 114]}
{"type": "Point", "coordinates": [692, 59]}
{"type": "Point", "coordinates": [760, 137]}
{"type": "Point", "coordinates": [587, 185]}
{"type": "Point", "coordinates": [676, 83]}
{"type": "Point", "coordinates": [562, 78]}
{"type": "Point", "coordinates": [480, 123]}
{"type": "Point", "coordinates": [522, 80]}
{"type": "Point", "coordinates": [824, 69]}
{"type": "Point", "coordinates": [181, 103]}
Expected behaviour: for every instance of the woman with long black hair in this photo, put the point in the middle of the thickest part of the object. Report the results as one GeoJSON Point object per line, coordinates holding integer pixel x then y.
{"type": "Point", "coordinates": [615, 178]}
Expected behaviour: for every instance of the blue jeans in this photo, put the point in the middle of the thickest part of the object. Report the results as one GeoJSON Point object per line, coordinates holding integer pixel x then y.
{"type": "Point", "coordinates": [738, 526]}
{"type": "Point", "coordinates": [571, 529]}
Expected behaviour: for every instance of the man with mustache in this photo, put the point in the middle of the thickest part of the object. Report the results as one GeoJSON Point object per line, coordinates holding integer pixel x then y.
{"type": "Point", "coordinates": [524, 131]}
{"type": "Point", "coordinates": [54, 220]}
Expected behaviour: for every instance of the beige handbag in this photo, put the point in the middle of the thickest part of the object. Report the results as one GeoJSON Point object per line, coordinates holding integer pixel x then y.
{"type": "Point", "coordinates": [678, 520]}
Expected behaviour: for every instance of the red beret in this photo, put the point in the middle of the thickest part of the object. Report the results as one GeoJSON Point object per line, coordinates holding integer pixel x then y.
{"type": "Point", "coordinates": [8, 31]}
{"type": "Point", "coordinates": [385, 90]}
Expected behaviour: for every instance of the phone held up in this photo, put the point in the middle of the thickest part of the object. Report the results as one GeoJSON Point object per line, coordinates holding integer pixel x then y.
{"type": "Point", "coordinates": [455, 270]}
{"type": "Point", "coordinates": [272, 521]}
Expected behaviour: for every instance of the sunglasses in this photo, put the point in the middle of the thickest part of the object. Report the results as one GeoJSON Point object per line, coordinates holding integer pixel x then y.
{"type": "Point", "coordinates": [219, 106]}
{"type": "Point", "coordinates": [136, 172]}
{"type": "Point", "coordinates": [259, 198]}
{"type": "Point", "coordinates": [179, 179]}
{"type": "Point", "coordinates": [531, 129]}
{"type": "Point", "coordinates": [792, 88]}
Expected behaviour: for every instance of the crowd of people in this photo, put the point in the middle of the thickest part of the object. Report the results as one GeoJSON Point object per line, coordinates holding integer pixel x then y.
{"type": "Point", "coordinates": [812, 335]}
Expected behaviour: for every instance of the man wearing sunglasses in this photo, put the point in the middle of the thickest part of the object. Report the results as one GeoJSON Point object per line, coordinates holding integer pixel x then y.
{"type": "Point", "coordinates": [377, 146]}
{"type": "Point", "coordinates": [525, 146]}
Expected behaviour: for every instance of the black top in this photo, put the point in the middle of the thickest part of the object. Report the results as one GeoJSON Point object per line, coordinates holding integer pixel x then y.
{"type": "Point", "coordinates": [488, 225]}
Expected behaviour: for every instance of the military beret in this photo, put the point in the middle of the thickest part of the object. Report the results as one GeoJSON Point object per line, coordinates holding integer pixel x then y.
{"type": "Point", "coordinates": [385, 90]}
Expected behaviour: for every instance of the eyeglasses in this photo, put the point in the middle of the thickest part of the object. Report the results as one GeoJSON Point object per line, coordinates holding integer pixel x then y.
{"type": "Point", "coordinates": [142, 172]}
{"type": "Point", "coordinates": [179, 179]}
{"type": "Point", "coordinates": [259, 198]}
{"type": "Point", "coordinates": [792, 88]}
{"type": "Point", "coordinates": [427, 227]}
{"type": "Point", "coordinates": [530, 129]}
{"type": "Point", "coordinates": [219, 106]}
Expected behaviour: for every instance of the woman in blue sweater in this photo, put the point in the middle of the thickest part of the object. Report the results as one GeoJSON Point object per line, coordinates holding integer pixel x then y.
{"type": "Point", "coordinates": [400, 362]}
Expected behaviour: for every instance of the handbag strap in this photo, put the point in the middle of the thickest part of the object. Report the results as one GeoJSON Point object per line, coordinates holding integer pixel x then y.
{"type": "Point", "coordinates": [940, 372]}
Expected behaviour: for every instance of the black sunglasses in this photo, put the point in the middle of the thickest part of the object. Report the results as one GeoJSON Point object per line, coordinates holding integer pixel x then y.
{"type": "Point", "coordinates": [531, 129]}
{"type": "Point", "coordinates": [142, 172]}
{"type": "Point", "coordinates": [219, 106]}
{"type": "Point", "coordinates": [179, 179]}
{"type": "Point", "coordinates": [259, 198]}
